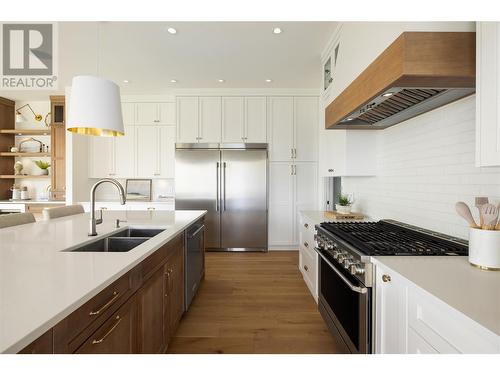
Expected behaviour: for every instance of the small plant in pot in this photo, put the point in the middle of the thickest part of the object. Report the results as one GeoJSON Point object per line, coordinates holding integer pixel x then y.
{"type": "Point", "coordinates": [43, 165]}
{"type": "Point", "coordinates": [345, 204]}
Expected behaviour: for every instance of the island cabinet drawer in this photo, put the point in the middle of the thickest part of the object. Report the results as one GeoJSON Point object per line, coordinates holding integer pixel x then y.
{"type": "Point", "coordinates": [117, 335]}
{"type": "Point", "coordinates": [160, 256]}
{"type": "Point", "coordinates": [437, 322]}
{"type": "Point", "coordinates": [71, 332]}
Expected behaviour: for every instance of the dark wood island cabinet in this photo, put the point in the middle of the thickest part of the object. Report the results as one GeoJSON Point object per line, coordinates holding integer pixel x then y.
{"type": "Point", "coordinates": [138, 313]}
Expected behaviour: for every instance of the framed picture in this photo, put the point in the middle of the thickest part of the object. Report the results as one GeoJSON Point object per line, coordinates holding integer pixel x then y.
{"type": "Point", "coordinates": [138, 190]}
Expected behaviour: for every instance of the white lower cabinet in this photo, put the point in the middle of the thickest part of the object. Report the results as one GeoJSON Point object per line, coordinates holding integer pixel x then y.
{"type": "Point", "coordinates": [390, 317]}
{"type": "Point", "coordinates": [308, 258]}
{"type": "Point", "coordinates": [130, 206]}
{"type": "Point", "coordinates": [281, 205]}
{"type": "Point", "coordinates": [410, 320]}
{"type": "Point", "coordinates": [292, 188]}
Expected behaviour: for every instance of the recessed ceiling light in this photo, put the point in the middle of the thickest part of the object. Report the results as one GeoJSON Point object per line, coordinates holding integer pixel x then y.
{"type": "Point", "coordinates": [171, 30]}
{"type": "Point", "coordinates": [220, 81]}
{"type": "Point", "coordinates": [276, 30]}
{"type": "Point", "coordinates": [387, 94]}
{"type": "Point", "coordinates": [349, 119]}
{"type": "Point", "coordinates": [269, 80]}
{"type": "Point", "coordinates": [126, 81]}
{"type": "Point", "coordinates": [173, 81]}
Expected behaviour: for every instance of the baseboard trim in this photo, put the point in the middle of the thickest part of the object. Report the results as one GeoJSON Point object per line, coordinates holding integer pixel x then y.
{"type": "Point", "coordinates": [283, 248]}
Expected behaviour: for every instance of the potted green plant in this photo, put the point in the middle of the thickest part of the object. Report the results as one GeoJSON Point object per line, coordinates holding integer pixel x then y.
{"type": "Point", "coordinates": [43, 165]}
{"type": "Point", "coordinates": [345, 204]}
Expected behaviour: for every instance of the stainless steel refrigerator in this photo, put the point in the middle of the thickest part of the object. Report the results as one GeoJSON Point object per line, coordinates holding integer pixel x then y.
{"type": "Point", "coordinates": [230, 182]}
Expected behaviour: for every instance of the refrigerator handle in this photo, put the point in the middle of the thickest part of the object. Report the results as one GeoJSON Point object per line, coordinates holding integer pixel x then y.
{"type": "Point", "coordinates": [217, 189]}
{"type": "Point", "coordinates": [224, 187]}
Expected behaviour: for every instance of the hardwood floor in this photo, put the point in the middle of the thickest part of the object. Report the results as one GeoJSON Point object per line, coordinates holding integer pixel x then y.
{"type": "Point", "coordinates": [252, 303]}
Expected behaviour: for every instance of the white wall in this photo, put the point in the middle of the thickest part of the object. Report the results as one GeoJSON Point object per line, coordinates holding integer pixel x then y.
{"type": "Point", "coordinates": [424, 166]}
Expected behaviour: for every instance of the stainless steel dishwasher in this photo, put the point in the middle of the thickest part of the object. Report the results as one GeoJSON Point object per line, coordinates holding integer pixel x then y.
{"type": "Point", "coordinates": [194, 260]}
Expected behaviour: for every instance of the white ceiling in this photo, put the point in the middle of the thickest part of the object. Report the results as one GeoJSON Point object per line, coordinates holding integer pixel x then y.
{"type": "Point", "coordinates": [244, 54]}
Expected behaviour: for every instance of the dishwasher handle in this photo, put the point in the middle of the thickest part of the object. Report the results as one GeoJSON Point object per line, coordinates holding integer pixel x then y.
{"type": "Point", "coordinates": [196, 232]}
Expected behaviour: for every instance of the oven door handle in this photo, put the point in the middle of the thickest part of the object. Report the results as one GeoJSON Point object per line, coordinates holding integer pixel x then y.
{"type": "Point", "coordinates": [357, 289]}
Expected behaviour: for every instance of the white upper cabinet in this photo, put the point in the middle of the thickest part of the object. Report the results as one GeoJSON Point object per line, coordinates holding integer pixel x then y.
{"type": "Point", "coordinates": [348, 153]}
{"type": "Point", "coordinates": [155, 113]}
{"type": "Point", "coordinates": [128, 113]}
{"type": "Point", "coordinates": [306, 117]}
{"type": "Point", "coordinates": [487, 94]}
{"type": "Point", "coordinates": [255, 119]}
{"type": "Point", "coordinates": [187, 119]}
{"type": "Point", "coordinates": [244, 119]}
{"type": "Point", "coordinates": [124, 153]}
{"type": "Point", "coordinates": [166, 113]}
{"type": "Point", "coordinates": [293, 128]}
{"type": "Point", "coordinates": [146, 113]}
{"type": "Point", "coordinates": [210, 119]}
{"type": "Point", "coordinates": [199, 119]}
{"type": "Point", "coordinates": [280, 128]}
{"type": "Point", "coordinates": [233, 119]}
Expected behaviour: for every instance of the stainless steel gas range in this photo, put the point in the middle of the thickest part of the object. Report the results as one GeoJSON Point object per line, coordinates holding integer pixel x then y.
{"type": "Point", "coordinates": [345, 271]}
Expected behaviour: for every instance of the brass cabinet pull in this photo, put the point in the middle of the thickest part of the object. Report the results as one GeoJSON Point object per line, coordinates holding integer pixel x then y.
{"type": "Point", "coordinates": [306, 244]}
{"type": "Point", "coordinates": [151, 208]}
{"type": "Point", "coordinates": [306, 268]}
{"type": "Point", "coordinates": [386, 278]}
{"type": "Point", "coordinates": [94, 342]}
{"type": "Point", "coordinates": [306, 225]}
{"type": "Point", "coordinates": [167, 287]}
{"type": "Point", "coordinates": [106, 305]}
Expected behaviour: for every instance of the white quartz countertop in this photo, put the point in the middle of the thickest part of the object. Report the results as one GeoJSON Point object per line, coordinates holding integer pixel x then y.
{"type": "Point", "coordinates": [40, 284]}
{"type": "Point", "coordinates": [473, 292]}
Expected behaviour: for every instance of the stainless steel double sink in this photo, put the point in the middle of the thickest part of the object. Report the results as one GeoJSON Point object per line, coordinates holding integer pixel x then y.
{"type": "Point", "coordinates": [120, 242]}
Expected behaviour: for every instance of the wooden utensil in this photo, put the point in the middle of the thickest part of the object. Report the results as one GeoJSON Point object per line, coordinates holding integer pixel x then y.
{"type": "Point", "coordinates": [479, 202]}
{"type": "Point", "coordinates": [464, 211]}
{"type": "Point", "coordinates": [497, 227]}
{"type": "Point", "coordinates": [489, 212]}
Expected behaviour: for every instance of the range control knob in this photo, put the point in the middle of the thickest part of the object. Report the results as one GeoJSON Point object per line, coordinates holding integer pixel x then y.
{"type": "Point", "coordinates": [341, 257]}
{"type": "Point", "coordinates": [356, 269]}
{"type": "Point", "coordinates": [336, 254]}
{"type": "Point", "coordinates": [347, 263]}
{"type": "Point", "coordinates": [329, 245]}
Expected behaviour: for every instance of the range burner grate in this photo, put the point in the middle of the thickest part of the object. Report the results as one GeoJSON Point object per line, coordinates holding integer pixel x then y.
{"type": "Point", "coordinates": [384, 238]}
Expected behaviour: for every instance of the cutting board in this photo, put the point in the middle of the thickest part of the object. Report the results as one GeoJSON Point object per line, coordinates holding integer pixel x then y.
{"type": "Point", "coordinates": [339, 216]}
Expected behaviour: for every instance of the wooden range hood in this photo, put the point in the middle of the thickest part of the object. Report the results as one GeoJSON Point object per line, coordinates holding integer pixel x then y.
{"type": "Point", "coordinates": [418, 72]}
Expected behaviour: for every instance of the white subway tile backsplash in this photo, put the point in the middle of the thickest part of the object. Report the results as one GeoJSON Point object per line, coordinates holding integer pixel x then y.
{"type": "Point", "coordinates": [424, 166]}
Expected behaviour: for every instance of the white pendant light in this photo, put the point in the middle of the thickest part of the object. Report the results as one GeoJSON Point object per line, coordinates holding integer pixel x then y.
{"type": "Point", "coordinates": [95, 108]}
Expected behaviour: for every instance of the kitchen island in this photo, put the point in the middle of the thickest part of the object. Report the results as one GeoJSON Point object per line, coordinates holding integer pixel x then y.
{"type": "Point", "coordinates": [42, 281]}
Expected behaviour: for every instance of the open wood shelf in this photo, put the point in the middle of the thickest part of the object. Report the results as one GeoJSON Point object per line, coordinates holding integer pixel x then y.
{"type": "Point", "coordinates": [10, 176]}
{"type": "Point", "coordinates": [26, 154]}
{"type": "Point", "coordinates": [26, 131]}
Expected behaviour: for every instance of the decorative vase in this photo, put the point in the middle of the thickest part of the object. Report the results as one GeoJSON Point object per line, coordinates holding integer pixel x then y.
{"type": "Point", "coordinates": [18, 167]}
{"type": "Point", "coordinates": [343, 209]}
